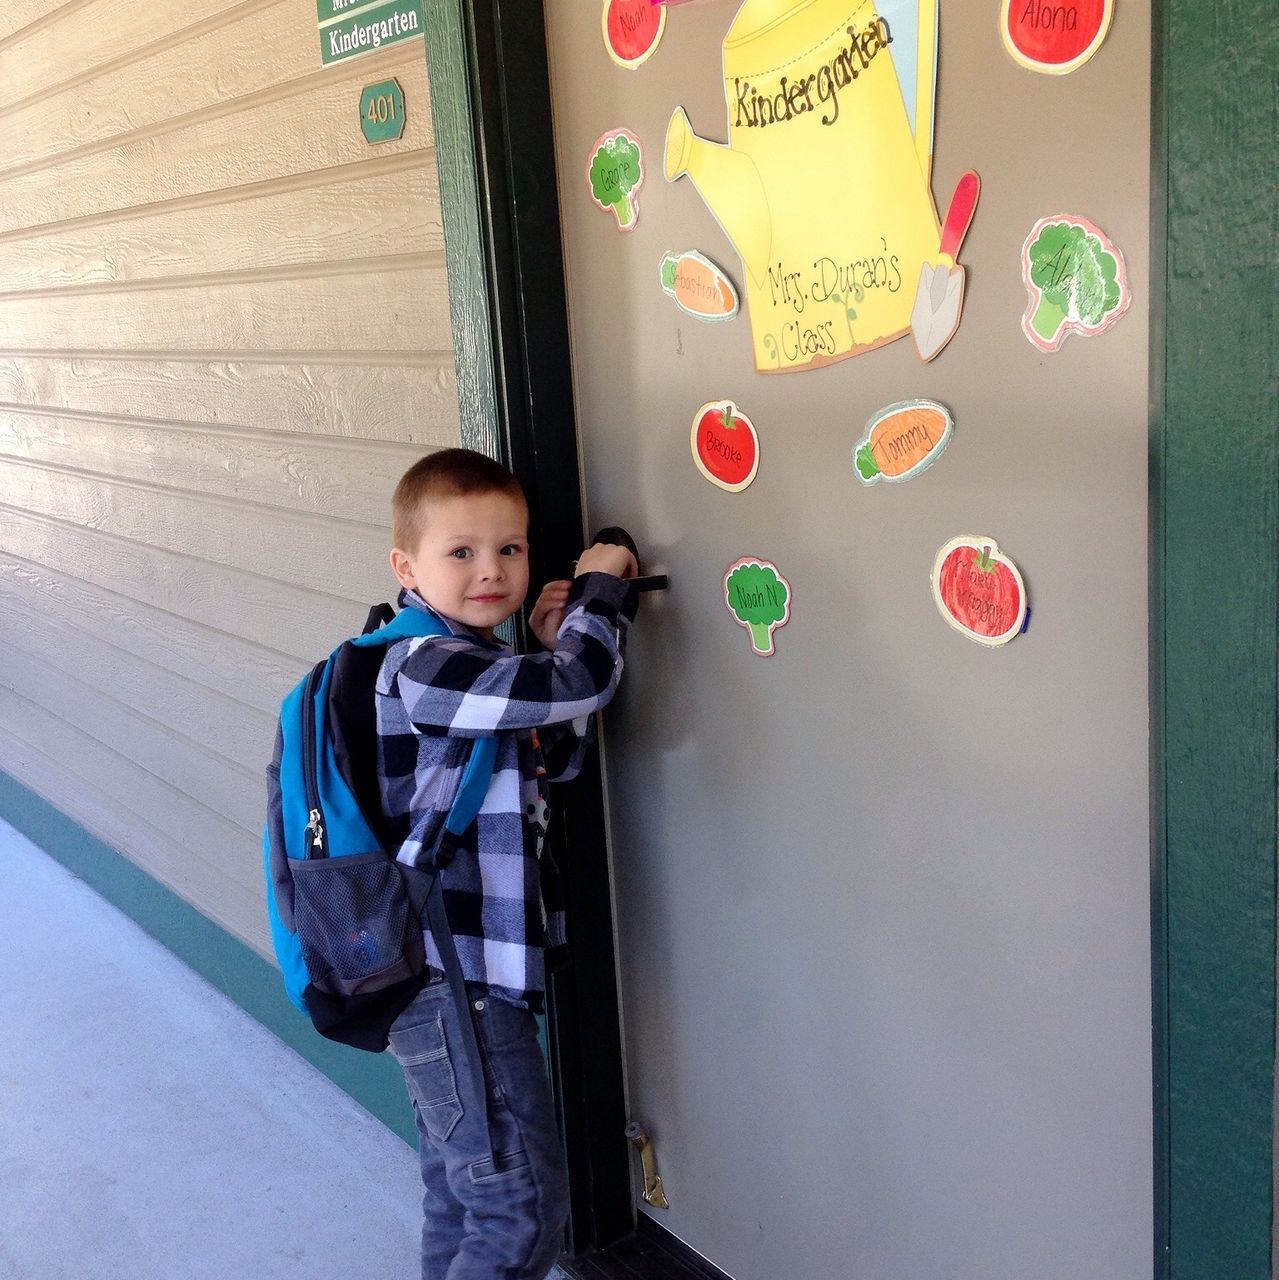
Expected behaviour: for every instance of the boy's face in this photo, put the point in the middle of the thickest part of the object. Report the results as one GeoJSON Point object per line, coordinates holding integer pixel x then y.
{"type": "Point", "coordinates": [471, 562]}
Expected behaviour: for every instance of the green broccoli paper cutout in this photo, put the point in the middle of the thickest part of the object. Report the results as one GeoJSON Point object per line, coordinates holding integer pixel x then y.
{"type": "Point", "coordinates": [759, 598]}
{"type": "Point", "coordinates": [1075, 278]}
{"type": "Point", "coordinates": [615, 173]}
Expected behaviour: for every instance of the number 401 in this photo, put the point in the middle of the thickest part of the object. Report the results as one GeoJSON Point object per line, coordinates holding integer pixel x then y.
{"type": "Point", "coordinates": [381, 109]}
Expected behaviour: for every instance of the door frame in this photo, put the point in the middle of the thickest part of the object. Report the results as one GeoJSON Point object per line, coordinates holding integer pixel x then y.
{"type": "Point", "coordinates": [1213, 748]}
{"type": "Point", "coordinates": [490, 87]}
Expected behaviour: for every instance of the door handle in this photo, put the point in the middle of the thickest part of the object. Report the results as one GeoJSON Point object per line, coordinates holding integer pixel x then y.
{"type": "Point", "coordinates": [616, 536]}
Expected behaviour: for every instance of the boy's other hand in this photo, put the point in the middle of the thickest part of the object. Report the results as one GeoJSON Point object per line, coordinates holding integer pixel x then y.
{"type": "Point", "coordinates": [544, 621]}
{"type": "Point", "coordinates": [606, 557]}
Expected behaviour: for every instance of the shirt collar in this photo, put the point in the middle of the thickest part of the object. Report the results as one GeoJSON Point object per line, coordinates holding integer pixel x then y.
{"type": "Point", "coordinates": [409, 599]}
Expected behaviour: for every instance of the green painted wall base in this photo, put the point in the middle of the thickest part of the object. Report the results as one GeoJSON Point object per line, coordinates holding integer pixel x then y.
{"type": "Point", "coordinates": [373, 1080]}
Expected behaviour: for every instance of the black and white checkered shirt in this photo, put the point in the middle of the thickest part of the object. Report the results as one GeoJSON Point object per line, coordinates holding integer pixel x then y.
{"type": "Point", "coordinates": [437, 693]}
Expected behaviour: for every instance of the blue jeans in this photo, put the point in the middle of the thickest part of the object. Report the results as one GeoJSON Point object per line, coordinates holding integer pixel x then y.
{"type": "Point", "coordinates": [492, 1211]}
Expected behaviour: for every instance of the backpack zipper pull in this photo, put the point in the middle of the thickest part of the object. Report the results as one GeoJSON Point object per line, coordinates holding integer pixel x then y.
{"type": "Point", "coordinates": [315, 829]}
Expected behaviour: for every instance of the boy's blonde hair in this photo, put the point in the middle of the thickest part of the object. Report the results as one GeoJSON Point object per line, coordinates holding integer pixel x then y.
{"type": "Point", "coordinates": [450, 473]}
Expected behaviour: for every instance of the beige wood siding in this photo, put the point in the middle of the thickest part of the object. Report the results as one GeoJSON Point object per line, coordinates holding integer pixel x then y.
{"type": "Point", "coordinates": [224, 333]}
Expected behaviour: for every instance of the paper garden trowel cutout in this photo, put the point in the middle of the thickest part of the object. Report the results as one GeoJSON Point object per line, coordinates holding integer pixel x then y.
{"type": "Point", "coordinates": [1054, 38]}
{"type": "Point", "coordinates": [614, 174]}
{"type": "Point", "coordinates": [939, 296]}
{"type": "Point", "coordinates": [902, 440]}
{"type": "Point", "coordinates": [759, 598]}
{"type": "Point", "coordinates": [1076, 280]}
{"type": "Point", "coordinates": [823, 185]}
{"type": "Point", "coordinates": [632, 30]}
{"type": "Point", "coordinates": [979, 591]}
{"type": "Point", "coordinates": [725, 446]}
{"type": "Point", "coordinates": [698, 286]}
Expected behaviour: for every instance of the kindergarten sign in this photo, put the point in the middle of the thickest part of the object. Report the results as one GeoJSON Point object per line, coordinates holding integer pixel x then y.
{"type": "Point", "coordinates": [352, 27]}
{"type": "Point", "coordinates": [823, 185]}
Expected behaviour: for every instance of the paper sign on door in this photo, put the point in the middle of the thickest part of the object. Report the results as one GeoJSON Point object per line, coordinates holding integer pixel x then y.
{"type": "Point", "coordinates": [823, 186]}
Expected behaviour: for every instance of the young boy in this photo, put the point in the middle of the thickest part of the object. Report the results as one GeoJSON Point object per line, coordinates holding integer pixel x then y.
{"type": "Point", "coordinates": [496, 1196]}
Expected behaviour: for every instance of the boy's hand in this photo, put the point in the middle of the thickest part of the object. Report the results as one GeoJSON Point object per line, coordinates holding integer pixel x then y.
{"type": "Point", "coordinates": [606, 557]}
{"type": "Point", "coordinates": [544, 621]}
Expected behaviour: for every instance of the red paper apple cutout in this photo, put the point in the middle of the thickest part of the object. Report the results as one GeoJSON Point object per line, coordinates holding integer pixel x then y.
{"type": "Point", "coordinates": [632, 30]}
{"type": "Point", "coordinates": [979, 591]}
{"type": "Point", "coordinates": [725, 446]}
{"type": "Point", "coordinates": [1052, 36]}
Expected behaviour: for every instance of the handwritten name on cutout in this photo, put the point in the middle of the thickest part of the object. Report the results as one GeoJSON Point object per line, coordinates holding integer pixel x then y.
{"type": "Point", "coordinates": [902, 440]}
{"type": "Point", "coordinates": [1075, 278]}
{"type": "Point", "coordinates": [1054, 38]}
{"type": "Point", "coordinates": [725, 445]}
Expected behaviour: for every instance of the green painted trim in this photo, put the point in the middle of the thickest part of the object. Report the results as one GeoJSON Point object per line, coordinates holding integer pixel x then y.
{"type": "Point", "coordinates": [1161, 1120]}
{"type": "Point", "coordinates": [1215, 508]}
{"type": "Point", "coordinates": [373, 1080]}
{"type": "Point", "coordinates": [450, 74]}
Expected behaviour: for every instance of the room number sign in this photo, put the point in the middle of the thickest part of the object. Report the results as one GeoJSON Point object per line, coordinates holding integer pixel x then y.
{"type": "Point", "coordinates": [382, 111]}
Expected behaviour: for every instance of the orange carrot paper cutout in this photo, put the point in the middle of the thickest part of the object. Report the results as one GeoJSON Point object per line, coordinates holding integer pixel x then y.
{"type": "Point", "coordinates": [902, 440]}
{"type": "Point", "coordinates": [698, 286]}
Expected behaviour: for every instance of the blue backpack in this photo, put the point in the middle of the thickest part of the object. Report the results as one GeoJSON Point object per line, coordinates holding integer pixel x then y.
{"type": "Point", "coordinates": [346, 917]}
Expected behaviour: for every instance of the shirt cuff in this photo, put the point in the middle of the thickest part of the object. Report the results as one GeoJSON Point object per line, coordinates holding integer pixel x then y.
{"type": "Point", "coordinates": [619, 593]}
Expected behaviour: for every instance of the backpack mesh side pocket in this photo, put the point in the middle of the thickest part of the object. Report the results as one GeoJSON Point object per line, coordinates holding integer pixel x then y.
{"type": "Point", "coordinates": [358, 929]}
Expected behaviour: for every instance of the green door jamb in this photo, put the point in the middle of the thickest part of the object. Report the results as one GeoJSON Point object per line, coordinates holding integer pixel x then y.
{"type": "Point", "coordinates": [450, 75]}
{"type": "Point", "coordinates": [490, 98]}
{"type": "Point", "coordinates": [1214, 533]}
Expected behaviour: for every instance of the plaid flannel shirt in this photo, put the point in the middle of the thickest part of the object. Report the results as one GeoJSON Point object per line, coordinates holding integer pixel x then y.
{"type": "Point", "coordinates": [435, 694]}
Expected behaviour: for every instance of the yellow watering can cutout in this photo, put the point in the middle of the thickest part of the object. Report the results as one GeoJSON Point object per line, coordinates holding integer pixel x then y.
{"type": "Point", "coordinates": [824, 183]}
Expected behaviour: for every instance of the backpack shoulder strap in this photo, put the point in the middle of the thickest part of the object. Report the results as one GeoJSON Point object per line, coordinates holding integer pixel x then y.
{"type": "Point", "coordinates": [400, 626]}
{"type": "Point", "coordinates": [474, 786]}
{"type": "Point", "coordinates": [379, 615]}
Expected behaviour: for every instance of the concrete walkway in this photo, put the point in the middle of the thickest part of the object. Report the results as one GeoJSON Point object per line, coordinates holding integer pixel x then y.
{"type": "Point", "coordinates": [151, 1130]}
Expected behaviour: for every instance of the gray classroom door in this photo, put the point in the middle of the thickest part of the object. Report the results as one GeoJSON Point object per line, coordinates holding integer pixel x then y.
{"type": "Point", "coordinates": [882, 898]}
